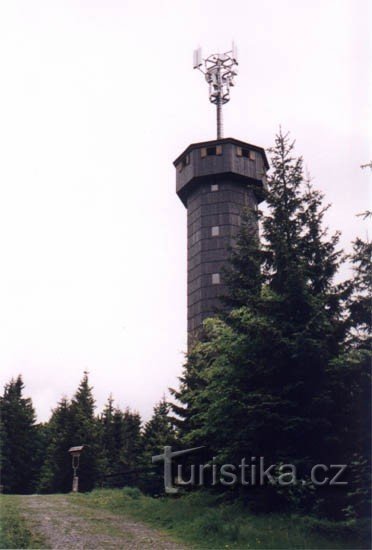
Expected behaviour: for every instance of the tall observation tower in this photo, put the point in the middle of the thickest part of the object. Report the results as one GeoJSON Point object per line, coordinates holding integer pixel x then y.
{"type": "Point", "coordinates": [216, 180]}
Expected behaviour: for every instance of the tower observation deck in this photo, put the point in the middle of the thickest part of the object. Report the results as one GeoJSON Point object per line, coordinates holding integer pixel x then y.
{"type": "Point", "coordinates": [216, 181]}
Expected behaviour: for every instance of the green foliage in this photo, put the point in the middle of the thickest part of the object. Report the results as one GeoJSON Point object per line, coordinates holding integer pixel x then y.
{"type": "Point", "coordinates": [121, 444]}
{"type": "Point", "coordinates": [56, 473]}
{"type": "Point", "coordinates": [132, 492]}
{"type": "Point", "coordinates": [211, 525]}
{"type": "Point", "coordinates": [360, 304]}
{"type": "Point", "coordinates": [14, 533]}
{"type": "Point", "coordinates": [158, 432]}
{"type": "Point", "coordinates": [20, 440]}
{"type": "Point", "coordinates": [85, 430]}
{"type": "Point", "coordinates": [243, 276]}
{"type": "Point", "coordinates": [204, 520]}
{"type": "Point", "coordinates": [72, 423]}
{"type": "Point", "coordinates": [271, 377]}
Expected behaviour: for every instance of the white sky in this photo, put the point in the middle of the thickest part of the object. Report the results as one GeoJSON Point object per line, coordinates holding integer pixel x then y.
{"type": "Point", "coordinates": [97, 98]}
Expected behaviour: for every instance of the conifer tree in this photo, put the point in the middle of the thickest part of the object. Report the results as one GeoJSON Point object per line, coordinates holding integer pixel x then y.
{"type": "Point", "coordinates": [158, 432]}
{"type": "Point", "coordinates": [73, 423]}
{"type": "Point", "coordinates": [108, 436]}
{"type": "Point", "coordinates": [261, 385]}
{"type": "Point", "coordinates": [243, 276]}
{"type": "Point", "coordinates": [86, 430]}
{"type": "Point", "coordinates": [130, 449]}
{"type": "Point", "coordinates": [118, 434]}
{"type": "Point", "coordinates": [121, 441]}
{"type": "Point", "coordinates": [360, 303]}
{"type": "Point", "coordinates": [20, 440]}
{"type": "Point", "coordinates": [188, 410]}
{"type": "Point", "coordinates": [56, 472]}
{"type": "Point", "coordinates": [350, 375]}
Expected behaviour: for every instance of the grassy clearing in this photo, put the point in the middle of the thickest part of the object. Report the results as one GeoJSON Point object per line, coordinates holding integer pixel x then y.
{"type": "Point", "coordinates": [202, 522]}
{"type": "Point", "coordinates": [14, 533]}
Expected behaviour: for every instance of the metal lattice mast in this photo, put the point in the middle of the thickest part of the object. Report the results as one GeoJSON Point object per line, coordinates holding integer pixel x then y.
{"type": "Point", "coordinates": [219, 70]}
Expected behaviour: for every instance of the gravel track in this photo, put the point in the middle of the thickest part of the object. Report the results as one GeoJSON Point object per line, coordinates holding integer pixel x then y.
{"type": "Point", "coordinates": [66, 525]}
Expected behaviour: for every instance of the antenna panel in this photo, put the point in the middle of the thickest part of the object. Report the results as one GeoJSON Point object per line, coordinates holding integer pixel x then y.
{"type": "Point", "coordinates": [234, 52]}
{"type": "Point", "coordinates": [197, 58]}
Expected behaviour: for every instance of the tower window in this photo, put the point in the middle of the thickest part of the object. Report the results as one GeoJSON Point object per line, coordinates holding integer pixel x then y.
{"type": "Point", "coordinates": [216, 279]}
{"type": "Point", "coordinates": [215, 231]}
{"type": "Point", "coordinates": [211, 151]}
{"type": "Point", "coordinates": [246, 153]}
{"type": "Point", "coordinates": [184, 162]}
{"type": "Point", "coordinates": [214, 187]}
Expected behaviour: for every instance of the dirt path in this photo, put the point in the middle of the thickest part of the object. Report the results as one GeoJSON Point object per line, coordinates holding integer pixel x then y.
{"type": "Point", "coordinates": [67, 525]}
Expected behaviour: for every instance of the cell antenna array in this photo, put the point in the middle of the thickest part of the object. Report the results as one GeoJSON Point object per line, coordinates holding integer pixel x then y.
{"type": "Point", "coordinates": [219, 70]}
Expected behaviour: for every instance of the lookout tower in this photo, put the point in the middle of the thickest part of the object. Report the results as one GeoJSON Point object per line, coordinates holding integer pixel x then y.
{"type": "Point", "coordinates": [216, 180]}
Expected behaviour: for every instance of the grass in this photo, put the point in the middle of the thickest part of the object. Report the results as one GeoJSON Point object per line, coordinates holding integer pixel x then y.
{"type": "Point", "coordinates": [201, 521]}
{"type": "Point", "coordinates": [14, 532]}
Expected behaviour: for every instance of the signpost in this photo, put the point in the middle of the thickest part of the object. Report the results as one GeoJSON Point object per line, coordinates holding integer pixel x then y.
{"type": "Point", "coordinates": [75, 453]}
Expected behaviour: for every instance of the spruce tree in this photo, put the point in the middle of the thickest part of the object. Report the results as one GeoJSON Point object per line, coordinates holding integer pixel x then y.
{"type": "Point", "coordinates": [243, 276]}
{"type": "Point", "coordinates": [56, 473]}
{"type": "Point", "coordinates": [108, 439]}
{"type": "Point", "coordinates": [350, 375]}
{"type": "Point", "coordinates": [73, 423]}
{"type": "Point", "coordinates": [20, 446]}
{"type": "Point", "coordinates": [360, 303]}
{"type": "Point", "coordinates": [121, 442]}
{"type": "Point", "coordinates": [185, 409]}
{"type": "Point", "coordinates": [260, 389]}
{"type": "Point", "coordinates": [86, 430]}
{"type": "Point", "coordinates": [130, 450]}
{"type": "Point", "coordinates": [158, 432]}
{"type": "Point", "coordinates": [108, 436]}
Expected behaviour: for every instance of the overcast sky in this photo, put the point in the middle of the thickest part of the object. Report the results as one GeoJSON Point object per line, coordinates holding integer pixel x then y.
{"type": "Point", "coordinates": [97, 98]}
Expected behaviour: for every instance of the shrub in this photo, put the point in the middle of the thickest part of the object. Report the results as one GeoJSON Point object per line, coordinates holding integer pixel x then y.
{"type": "Point", "coordinates": [211, 524]}
{"type": "Point", "coordinates": [132, 492]}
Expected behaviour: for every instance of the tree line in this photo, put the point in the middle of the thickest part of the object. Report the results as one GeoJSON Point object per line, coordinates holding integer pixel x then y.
{"type": "Point", "coordinates": [282, 371]}
{"type": "Point", "coordinates": [117, 446]}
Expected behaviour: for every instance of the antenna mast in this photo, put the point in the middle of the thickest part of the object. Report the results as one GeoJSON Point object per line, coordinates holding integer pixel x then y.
{"type": "Point", "coordinates": [219, 71]}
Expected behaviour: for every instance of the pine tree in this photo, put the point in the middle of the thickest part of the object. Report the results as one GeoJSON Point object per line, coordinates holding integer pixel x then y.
{"type": "Point", "coordinates": [20, 440]}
